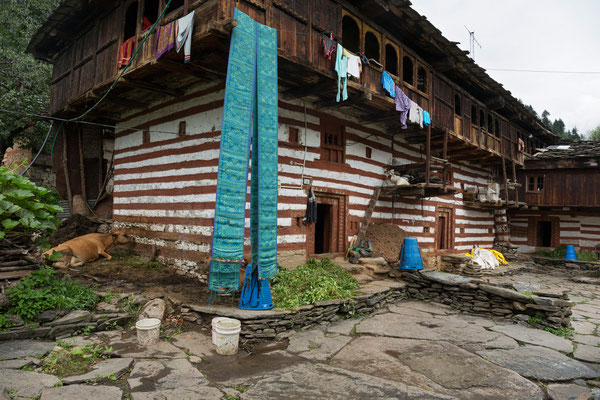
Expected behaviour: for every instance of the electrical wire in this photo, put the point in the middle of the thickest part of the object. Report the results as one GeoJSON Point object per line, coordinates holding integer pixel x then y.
{"type": "Point", "coordinates": [115, 81]}
{"type": "Point", "coordinates": [544, 71]}
{"type": "Point", "coordinates": [40, 150]}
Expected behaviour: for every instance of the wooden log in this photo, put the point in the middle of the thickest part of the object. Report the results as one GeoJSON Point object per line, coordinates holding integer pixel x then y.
{"type": "Point", "coordinates": [65, 163]}
{"type": "Point", "coordinates": [12, 263]}
{"type": "Point", "coordinates": [14, 274]}
{"type": "Point", "coordinates": [428, 155]}
{"type": "Point", "coordinates": [12, 252]}
{"type": "Point", "coordinates": [19, 268]}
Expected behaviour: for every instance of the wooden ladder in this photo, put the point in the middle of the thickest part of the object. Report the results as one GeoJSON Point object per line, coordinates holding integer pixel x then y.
{"type": "Point", "coordinates": [364, 224]}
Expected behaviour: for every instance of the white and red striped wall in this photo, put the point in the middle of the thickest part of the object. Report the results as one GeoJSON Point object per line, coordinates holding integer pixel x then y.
{"type": "Point", "coordinates": [164, 193]}
{"type": "Point", "coordinates": [569, 227]}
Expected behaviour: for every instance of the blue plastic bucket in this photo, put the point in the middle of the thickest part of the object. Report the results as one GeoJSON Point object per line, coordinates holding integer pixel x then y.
{"type": "Point", "coordinates": [410, 256]}
{"type": "Point", "coordinates": [570, 255]}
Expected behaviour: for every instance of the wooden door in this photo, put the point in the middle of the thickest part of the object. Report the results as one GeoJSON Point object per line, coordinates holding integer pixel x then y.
{"type": "Point", "coordinates": [444, 237]}
{"type": "Point", "coordinates": [327, 234]}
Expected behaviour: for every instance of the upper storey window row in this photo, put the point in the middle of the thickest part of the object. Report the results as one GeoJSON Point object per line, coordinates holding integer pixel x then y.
{"type": "Point", "coordinates": [140, 16]}
{"type": "Point", "coordinates": [357, 36]}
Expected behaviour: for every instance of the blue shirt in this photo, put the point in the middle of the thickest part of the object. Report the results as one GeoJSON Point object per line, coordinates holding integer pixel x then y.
{"type": "Point", "coordinates": [388, 84]}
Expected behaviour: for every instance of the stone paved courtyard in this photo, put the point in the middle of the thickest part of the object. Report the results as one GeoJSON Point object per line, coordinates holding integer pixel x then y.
{"type": "Point", "coordinates": [408, 350]}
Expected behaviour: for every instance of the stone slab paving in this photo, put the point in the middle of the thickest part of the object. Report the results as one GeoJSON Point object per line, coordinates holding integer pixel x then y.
{"type": "Point", "coordinates": [344, 327]}
{"type": "Point", "coordinates": [82, 392]}
{"type": "Point", "coordinates": [318, 381]}
{"type": "Point", "coordinates": [434, 366]}
{"type": "Point", "coordinates": [18, 363]}
{"type": "Point", "coordinates": [540, 363]}
{"type": "Point", "coordinates": [26, 384]}
{"type": "Point", "coordinates": [315, 345]}
{"type": "Point", "coordinates": [591, 340]}
{"type": "Point", "coordinates": [585, 352]}
{"type": "Point", "coordinates": [584, 327]}
{"type": "Point", "coordinates": [130, 348]}
{"type": "Point", "coordinates": [568, 391]}
{"type": "Point", "coordinates": [195, 343]}
{"type": "Point", "coordinates": [22, 348]}
{"type": "Point", "coordinates": [535, 336]}
{"type": "Point", "coordinates": [105, 370]}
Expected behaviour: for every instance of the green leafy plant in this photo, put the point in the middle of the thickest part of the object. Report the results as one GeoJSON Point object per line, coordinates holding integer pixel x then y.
{"type": "Point", "coordinates": [567, 333]}
{"type": "Point", "coordinates": [5, 322]}
{"type": "Point", "coordinates": [318, 280]}
{"type": "Point", "coordinates": [530, 294]}
{"type": "Point", "coordinates": [560, 251]}
{"type": "Point", "coordinates": [534, 320]}
{"type": "Point", "coordinates": [77, 361]}
{"type": "Point", "coordinates": [44, 290]}
{"type": "Point", "coordinates": [25, 206]}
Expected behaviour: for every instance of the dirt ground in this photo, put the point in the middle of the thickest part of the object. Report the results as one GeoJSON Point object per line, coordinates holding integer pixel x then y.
{"type": "Point", "coordinates": [127, 272]}
{"type": "Point", "coordinates": [387, 240]}
{"type": "Point", "coordinates": [73, 227]}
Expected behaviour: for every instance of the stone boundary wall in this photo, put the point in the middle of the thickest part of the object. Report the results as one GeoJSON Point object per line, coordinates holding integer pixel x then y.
{"type": "Point", "coordinates": [266, 325]}
{"type": "Point", "coordinates": [568, 265]}
{"type": "Point", "coordinates": [549, 309]}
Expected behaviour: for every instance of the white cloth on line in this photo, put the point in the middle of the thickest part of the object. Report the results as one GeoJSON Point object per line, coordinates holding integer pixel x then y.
{"type": "Point", "coordinates": [183, 35]}
{"type": "Point", "coordinates": [415, 114]}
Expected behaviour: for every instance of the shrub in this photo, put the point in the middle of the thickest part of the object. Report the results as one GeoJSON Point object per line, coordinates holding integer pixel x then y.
{"type": "Point", "coordinates": [44, 290]}
{"type": "Point", "coordinates": [25, 206]}
{"type": "Point", "coordinates": [311, 282]}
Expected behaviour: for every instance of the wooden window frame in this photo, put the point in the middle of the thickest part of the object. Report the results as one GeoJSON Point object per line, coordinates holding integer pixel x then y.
{"type": "Point", "coordinates": [535, 183]}
{"type": "Point", "coordinates": [413, 59]}
{"type": "Point", "coordinates": [427, 78]}
{"type": "Point", "coordinates": [341, 148]}
{"type": "Point", "coordinates": [398, 58]}
{"type": "Point", "coordinates": [294, 135]}
{"type": "Point", "coordinates": [367, 29]}
{"type": "Point", "coordinates": [359, 23]}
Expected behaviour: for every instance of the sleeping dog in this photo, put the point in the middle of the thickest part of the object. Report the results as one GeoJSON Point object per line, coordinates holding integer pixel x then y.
{"type": "Point", "coordinates": [87, 248]}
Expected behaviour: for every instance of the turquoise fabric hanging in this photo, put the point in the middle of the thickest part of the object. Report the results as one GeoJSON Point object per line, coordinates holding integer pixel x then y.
{"type": "Point", "coordinates": [250, 115]}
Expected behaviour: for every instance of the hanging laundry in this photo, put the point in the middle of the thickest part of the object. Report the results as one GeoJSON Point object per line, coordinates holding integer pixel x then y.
{"type": "Point", "coordinates": [311, 208]}
{"type": "Point", "coordinates": [363, 59]}
{"type": "Point", "coordinates": [426, 118]}
{"type": "Point", "coordinates": [328, 45]}
{"type": "Point", "coordinates": [125, 52]}
{"type": "Point", "coordinates": [183, 32]}
{"type": "Point", "coordinates": [250, 114]}
{"type": "Point", "coordinates": [388, 84]}
{"type": "Point", "coordinates": [341, 67]}
{"type": "Point", "coordinates": [165, 39]}
{"type": "Point", "coordinates": [521, 145]}
{"type": "Point", "coordinates": [353, 64]}
{"type": "Point", "coordinates": [416, 114]}
{"type": "Point", "coordinates": [402, 104]}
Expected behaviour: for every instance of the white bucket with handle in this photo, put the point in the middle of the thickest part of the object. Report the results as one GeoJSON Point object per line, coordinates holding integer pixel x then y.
{"type": "Point", "coordinates": [148, 331]}
{"type": "Point", "coordinates": [213, 324]}
{"type": "Point", "coordinates": [227, 336]}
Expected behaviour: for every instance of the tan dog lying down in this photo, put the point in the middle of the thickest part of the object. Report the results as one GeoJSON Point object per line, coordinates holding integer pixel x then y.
{"type": "Point", "coordinates": [87, 248]}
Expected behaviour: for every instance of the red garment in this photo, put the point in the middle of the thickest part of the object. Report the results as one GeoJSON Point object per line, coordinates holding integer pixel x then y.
{"type": "Point", "coordinates": [125, 51]}
{"type": "Point", "coordinates": [146, 24]}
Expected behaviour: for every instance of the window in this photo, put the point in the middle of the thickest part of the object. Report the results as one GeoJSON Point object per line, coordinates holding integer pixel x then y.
{"type": "Point", "coordinates": [372, 46]}
{"type": "Point", "coordinates": [368, 152]}
{"type": "Point", "coordinates": [293, 132]}
{"type": "Point", "coordinates": [175, 4]}
{"type": "Point", "coordinates": [474, 115]}
{"type": "Point", "coordinates": [490, 124]}
{"type": "Point", "coordinates": [182, 128]}
{"type": "Point", "coordinates": [150, 13]}
{"type": "Point", "coordinates": [496, 127]}
{"type": "Point", "coordinates": [422, 79]}
{"type": "Point", "coordinates": [350, 34]}
{"type": "Point", "coordinates": [130, 21]}
{"type": "Point", "coordinates": [482, 119]}
{"type": "Point", "coordinates": [391, 59]}
{"type": "Point", "coordinates": [333, 144]}
{"type": "Point", "coordinates": [408, 70]}
{"type": "Point", "coordinates": [457, 105]}
{"type": "Point", "coordinates": [535, 183]}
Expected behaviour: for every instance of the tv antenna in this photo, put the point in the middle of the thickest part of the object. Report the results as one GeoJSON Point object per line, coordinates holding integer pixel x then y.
{"type": "Point", "coordinates": [472, 42]}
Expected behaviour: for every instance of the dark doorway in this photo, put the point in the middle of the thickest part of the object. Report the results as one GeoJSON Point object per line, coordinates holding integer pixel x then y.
{"type": "Point", "coordinates": [445, 228]}
{"type": "Point", "coordinates": [323, 229]}
{"type": "Point", "coordinates": [544, 234]}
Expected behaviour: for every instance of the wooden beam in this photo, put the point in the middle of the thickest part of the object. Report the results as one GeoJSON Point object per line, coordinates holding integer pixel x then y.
{"type": "Point", "coordinates": [151, 87]}
{"type": "Point", "coordinates": [428, 155]}
{"type": "Point", "coordinates": [444, 64]}
{"type": "Point", "coordinates": [505, 178]}
{"type": "Point", "coordinates": [65, 163]}
{"type": "Point", "coordinates": [445, 157]}
{"type": "Point", "coordinates": [309, 90]}
{"type": "Point", "coordinates": [81, 163]}
{"type": "Point", "coordinates": [357, 99]}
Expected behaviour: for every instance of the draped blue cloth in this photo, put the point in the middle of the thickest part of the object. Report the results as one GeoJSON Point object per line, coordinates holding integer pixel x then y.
{"type": "Point", "coordinates": [250, 118]}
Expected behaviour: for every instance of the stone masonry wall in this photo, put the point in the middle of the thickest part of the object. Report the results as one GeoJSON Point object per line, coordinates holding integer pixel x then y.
{"type": "Point", "coordinates": [552, 263]}
{"type": "Point", "coordinates": [477, 296]}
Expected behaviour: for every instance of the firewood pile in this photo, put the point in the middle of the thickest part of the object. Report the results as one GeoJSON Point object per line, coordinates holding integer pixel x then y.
{"type": "Point", "coordinates": [17, 256]}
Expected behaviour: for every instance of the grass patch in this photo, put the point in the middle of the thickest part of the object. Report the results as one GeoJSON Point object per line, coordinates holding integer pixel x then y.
{"type": "Point", "coordinates": [45, 290]}
{"type": "Point", "coordinates": [80, 360]}
{"type": "Point", "coordinates": [530, 294]}
{"type": "Point", "coordinates": [132, 261]}
{"type": "Point", "coordinates": [560, 251]}
{"type": "Point", "coordinates": [534, 320]}
{"type": "Point", "coordinates": [317, 280]}
{"type": "Point", "coordinates": [567, 333]}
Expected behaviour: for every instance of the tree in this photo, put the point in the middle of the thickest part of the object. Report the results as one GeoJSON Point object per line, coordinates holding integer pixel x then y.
{"type": "Point", "coordinates": [546, 120]}
{"type": "Point", "coordinates": [594, 134]}
{"type": "Point", "coordinates": [24, 81]}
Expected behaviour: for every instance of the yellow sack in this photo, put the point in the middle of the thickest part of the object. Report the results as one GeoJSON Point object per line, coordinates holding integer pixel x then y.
{"type": "Point", "coordinates": [499, 256]}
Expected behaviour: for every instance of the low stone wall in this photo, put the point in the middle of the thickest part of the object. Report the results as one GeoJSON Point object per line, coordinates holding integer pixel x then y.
{"type": "Point", "coordinates": [545, 309]}
{"type": "Point", "coordinates": [568, 265]}
{"type": "Point", "coordinates": [266, 325]}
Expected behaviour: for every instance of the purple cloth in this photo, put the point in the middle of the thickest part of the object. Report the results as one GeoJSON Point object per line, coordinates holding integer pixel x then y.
{"type": "Point", "coordinates": [402, 104]}
{"type": "Point", "coordinates": [165, 40]}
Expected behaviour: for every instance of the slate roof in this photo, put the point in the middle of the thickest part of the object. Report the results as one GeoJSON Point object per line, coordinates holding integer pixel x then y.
{"type": "Point", "coordinates": [583, 149]}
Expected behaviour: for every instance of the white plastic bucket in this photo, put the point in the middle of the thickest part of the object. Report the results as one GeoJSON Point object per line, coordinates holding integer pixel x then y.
{"type": "Point", "coordinates": [227, 336]}
{"type": "Point", "coordinates": [213, 324]}
{"type": "Point", "coordinates": [148, 331]}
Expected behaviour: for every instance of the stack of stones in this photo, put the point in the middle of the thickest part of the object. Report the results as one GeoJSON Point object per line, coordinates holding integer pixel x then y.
{"type": "Point", "coordinates": [258, 326]}
{"type": "Point", "coordinates": [462, 265]}
{"type": "Point", "coordinates": [553, 263]}
{"type": "Point", "coordinates": [508, 250]}
{"type": "Point", "coordinates": [548, 309]}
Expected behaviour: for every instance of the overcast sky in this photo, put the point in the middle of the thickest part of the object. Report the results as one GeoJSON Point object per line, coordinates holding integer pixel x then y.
{"type": "Point", "coordinates": [536, 35]}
